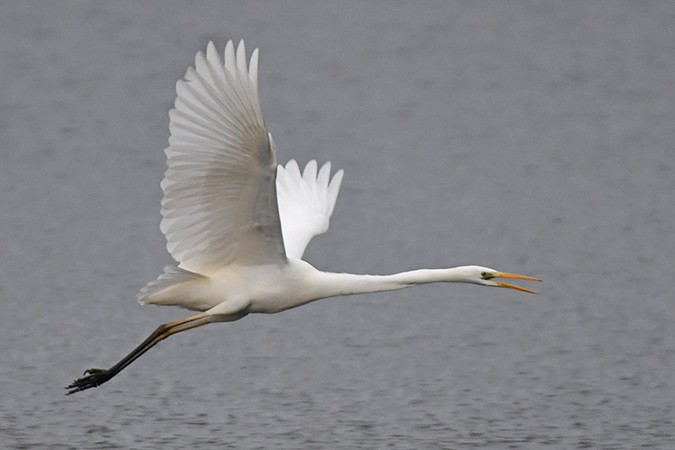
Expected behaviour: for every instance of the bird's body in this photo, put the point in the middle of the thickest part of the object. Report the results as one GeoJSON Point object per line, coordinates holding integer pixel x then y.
{"type": "Point", "coordinates": [268, 288]}
{"type": "Point", "coordinates": [237, 223]}
{"type": "Point", "coordinates": [274, 288]}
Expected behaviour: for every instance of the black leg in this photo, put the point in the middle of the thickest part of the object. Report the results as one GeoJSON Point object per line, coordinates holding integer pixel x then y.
{"type": "Point", "coordinates": [96, 377]}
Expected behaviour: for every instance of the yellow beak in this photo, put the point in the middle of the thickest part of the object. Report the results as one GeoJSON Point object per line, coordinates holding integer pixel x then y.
{"type": "Point", "coordinates": [517, 277]}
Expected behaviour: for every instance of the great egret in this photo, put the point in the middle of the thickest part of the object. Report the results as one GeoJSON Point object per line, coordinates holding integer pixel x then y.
{"type": "Point", "coordinates": [238, 223]}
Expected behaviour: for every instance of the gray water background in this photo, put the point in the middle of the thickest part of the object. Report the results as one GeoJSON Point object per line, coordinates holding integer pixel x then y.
{"type": "Point", "coordinates": [533, 137]}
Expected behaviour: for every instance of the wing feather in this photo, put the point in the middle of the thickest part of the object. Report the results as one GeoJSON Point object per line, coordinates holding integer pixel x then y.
{"type": "Point", "coordinates": [306, 202]}
{"type": "Point", "coordinates": [220, 200]}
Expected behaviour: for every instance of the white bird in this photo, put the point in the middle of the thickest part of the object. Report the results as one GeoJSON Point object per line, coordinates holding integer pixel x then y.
{"type": "Point", "coordinates": [237, 223]}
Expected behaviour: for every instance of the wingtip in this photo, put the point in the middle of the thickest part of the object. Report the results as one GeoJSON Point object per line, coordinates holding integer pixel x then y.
{"type": "Point", "coordinates": [241, 57]}
{"type": "Point", "coordinates": [253, 67]}
{"type": "Point", "coordinates": [292, 166]}
{"type": "Point", "coordinates": [211, 51]}
{"type": "Point", "coordinates": [309, 174]}
{"type": "Point", "coordinates": [228, 54]}
{"type": "Point", "coordinates": [324, 175]}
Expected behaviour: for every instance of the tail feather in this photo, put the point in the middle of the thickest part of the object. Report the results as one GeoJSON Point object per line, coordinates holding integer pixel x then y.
{"type": "Point", "coordinates": [172, 277]}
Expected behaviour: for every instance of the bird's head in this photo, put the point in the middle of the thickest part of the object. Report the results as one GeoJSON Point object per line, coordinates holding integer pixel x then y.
{"type": "Point", "coordinates": [491, 277]}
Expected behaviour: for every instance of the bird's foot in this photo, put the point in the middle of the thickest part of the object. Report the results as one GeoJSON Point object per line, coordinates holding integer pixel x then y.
{"type": "Point", "coordinates": [92, 378]}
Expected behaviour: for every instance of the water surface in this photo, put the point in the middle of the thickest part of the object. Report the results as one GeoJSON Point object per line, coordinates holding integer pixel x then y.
{"type": "Point", "coordinates": [533, 138]}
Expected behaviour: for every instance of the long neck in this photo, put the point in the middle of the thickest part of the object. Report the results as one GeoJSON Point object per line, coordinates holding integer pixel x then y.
{"type": "Point", "coordinates": [332, 284]}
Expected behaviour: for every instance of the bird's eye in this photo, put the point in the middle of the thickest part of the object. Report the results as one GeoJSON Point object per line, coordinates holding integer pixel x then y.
{"type": "Point", "coordinates": [486, 275]}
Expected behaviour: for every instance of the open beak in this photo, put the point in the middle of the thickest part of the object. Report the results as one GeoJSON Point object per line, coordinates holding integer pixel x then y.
{"type": "Point", "coordinates": [516, 277]}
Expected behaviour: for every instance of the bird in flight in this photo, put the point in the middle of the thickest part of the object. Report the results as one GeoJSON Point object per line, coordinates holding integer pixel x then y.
{"type": "Point", "coordinates": [237, 223]}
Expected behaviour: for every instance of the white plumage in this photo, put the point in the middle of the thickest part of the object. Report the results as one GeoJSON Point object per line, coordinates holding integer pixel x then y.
{"type": "Point", "coordinates": [220, 205]}
{"type": "Point", "coordinates": [237, 223]}
{"type": "Point", "coordinates": [306, 202]}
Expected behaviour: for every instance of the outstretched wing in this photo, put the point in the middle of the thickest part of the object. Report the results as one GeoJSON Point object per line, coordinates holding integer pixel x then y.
{"type": "Point", "coordinates": [306, 202]}
{"type": "Point", "coordinates": [220, 200]}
